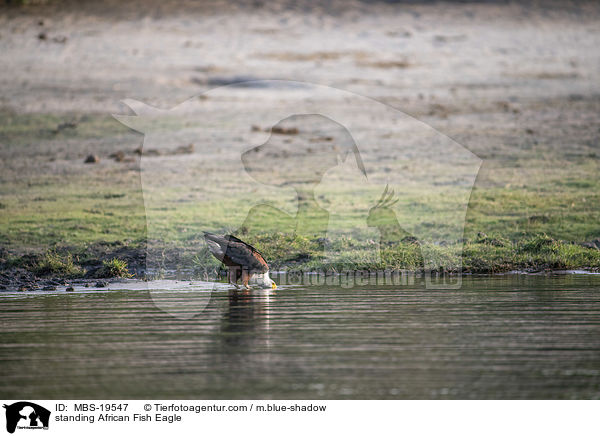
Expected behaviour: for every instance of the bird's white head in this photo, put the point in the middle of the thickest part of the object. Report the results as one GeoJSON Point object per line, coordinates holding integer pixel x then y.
{"type": "Point", "coordinates": [268, 283]}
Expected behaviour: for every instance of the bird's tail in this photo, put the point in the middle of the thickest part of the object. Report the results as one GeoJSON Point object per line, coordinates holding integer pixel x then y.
{"type": "Point", "coordinates": [208, 235]}
{"type": "Point", "coordinates": [216, 245]}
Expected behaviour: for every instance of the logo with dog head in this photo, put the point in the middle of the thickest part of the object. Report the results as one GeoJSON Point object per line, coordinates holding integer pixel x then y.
{"type": "Point", "coordinates": [26, 415]}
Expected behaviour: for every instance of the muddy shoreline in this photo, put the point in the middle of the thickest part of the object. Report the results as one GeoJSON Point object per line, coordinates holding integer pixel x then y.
{"type": "Point", "coordinates": [21, 272]}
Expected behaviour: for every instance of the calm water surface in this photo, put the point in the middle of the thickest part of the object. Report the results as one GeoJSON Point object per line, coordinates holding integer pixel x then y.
{"type": "Point", "coordinates": [504, 337]}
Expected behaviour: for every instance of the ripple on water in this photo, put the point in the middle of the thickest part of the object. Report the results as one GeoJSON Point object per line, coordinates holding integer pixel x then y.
{"type": "Point", "coordinates": [501, 337]}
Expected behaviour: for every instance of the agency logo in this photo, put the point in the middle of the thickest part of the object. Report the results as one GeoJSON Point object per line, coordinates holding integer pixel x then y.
{"type": "Point", "coordinates": [26, 415]}
{"type": "Point", "coordinates": [366, 185]}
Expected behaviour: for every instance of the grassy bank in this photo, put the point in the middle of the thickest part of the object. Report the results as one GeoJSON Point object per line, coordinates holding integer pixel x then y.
{"type": "Point", "coordinates": [61, 216]}
{"type": "Point", "coordinates": [484, 255]}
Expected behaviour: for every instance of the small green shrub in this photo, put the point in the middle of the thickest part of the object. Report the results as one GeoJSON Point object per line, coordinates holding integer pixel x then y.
{"type": "Point", "coordinates": [113, 268]}
{"type": "Point", "coordinates": [52, 263]}
{"type": "Point", "coordinates": [539, 243]}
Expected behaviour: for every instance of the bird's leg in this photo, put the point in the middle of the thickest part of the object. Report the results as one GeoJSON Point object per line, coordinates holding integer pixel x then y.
{"type": "Point", "coordinates": [231, 273]}
{"type": "Point", "coordinates": [245, 279]}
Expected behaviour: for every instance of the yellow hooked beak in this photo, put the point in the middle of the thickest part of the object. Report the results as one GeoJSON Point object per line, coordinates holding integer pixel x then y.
{"type": "Point", "coordinates": [274, 286]}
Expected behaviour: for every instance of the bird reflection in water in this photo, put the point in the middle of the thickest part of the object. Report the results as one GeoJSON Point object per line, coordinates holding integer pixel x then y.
{"type": "Point", "coordinates": [245, 326]}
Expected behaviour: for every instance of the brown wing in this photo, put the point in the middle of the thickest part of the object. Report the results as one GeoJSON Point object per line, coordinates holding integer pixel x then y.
{"type": "Point", "coordinates": [234, 239]}
{"type": "Point", "coordinates": [229, 249]}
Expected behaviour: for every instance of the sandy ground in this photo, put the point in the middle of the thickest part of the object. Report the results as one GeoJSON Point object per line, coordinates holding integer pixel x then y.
{"type": "Point", "coordinates": [88, 58]}
{"type": "Point", "coordinates": [497, 78]}
{"type": "Point", "coordinates": [466, 70]}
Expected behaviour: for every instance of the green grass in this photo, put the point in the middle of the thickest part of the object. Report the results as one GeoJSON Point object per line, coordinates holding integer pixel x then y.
{"type": "Point", "coordinates": [536, 253]}
{"type": "Point", "coordinates": [52, 263]}
{"type": "Point", "coordinates": [534, 222]}
{"type": "Point", "coordinates": [113, 268]}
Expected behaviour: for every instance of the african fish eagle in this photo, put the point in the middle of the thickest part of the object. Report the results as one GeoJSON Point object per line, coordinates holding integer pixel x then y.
{"type": "Point", "coordinates": [243, 260]}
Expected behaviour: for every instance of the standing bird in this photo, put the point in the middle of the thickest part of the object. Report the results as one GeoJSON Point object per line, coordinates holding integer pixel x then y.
{"type": "Point", "coordinates": [243, 260]}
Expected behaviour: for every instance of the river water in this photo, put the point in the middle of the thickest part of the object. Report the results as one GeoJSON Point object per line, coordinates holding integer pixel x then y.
{"type": "Point", "coordinates": [504, 337]}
